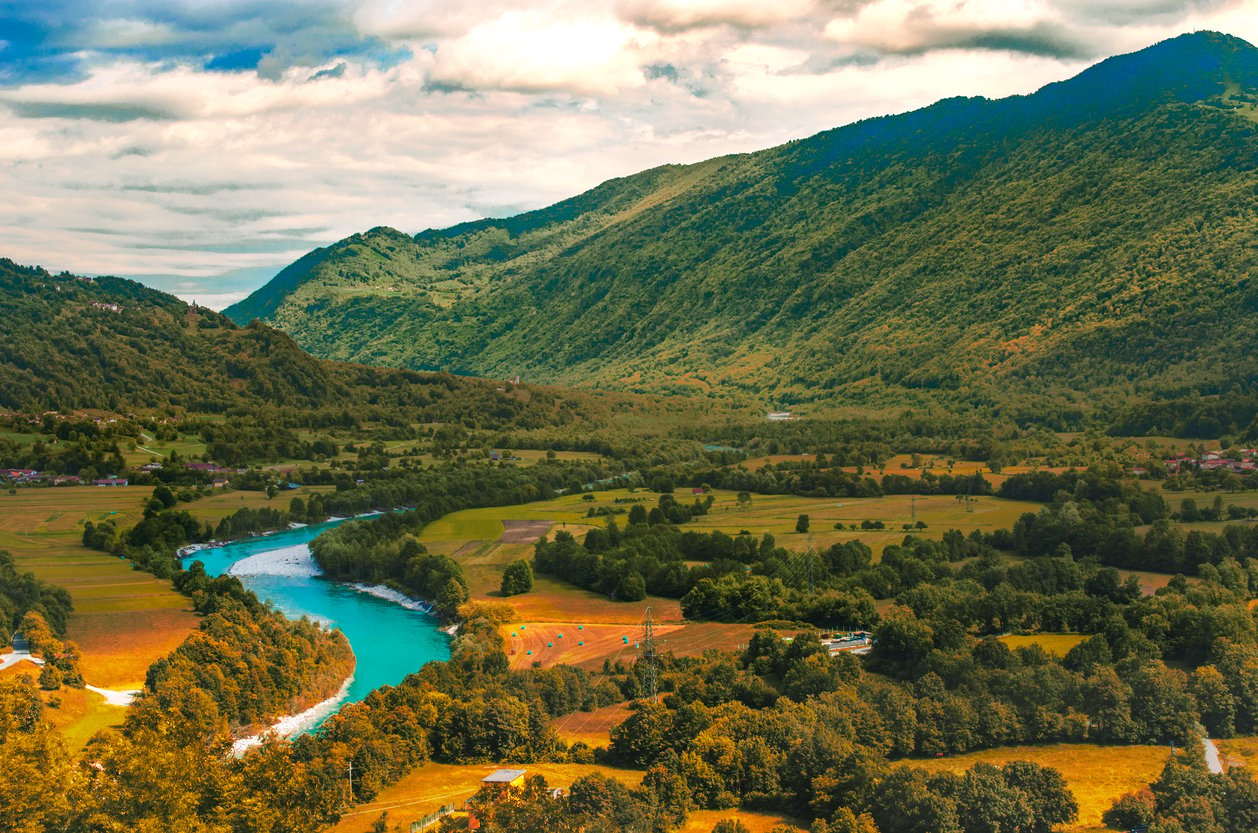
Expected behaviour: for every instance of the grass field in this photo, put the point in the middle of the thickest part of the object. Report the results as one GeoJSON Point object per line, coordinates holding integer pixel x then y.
{"type": "Point", "coordinates": [123, 619]}
{"type": "Point", "coordinates": [484, 541]}
{"type": "Point", "coordinates": [1240, 752]}
{"type": "Point", "coordinates": [1055, 644]}
{"type": "Point", "coordinates": [777, 514]}
{"type": "Point", "coordinates": [1095, 774]}
{"type": "Point", "coordinates": [80, 713]}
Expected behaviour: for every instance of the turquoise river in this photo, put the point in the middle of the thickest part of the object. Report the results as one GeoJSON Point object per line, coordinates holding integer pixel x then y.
{"type": "Point", "coordinates": [389, 639]}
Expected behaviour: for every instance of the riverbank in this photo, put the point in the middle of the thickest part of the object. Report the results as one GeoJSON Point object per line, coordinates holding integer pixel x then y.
{"type": "Point", "coordinates": [296, 724]}
{"type": "Point", "coordinates": [380, 591]}
{"type": "Point", "coordinates": [188, 550]}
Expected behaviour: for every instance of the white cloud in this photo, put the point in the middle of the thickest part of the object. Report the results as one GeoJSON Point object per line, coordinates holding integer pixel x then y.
{"type": "Point", "coordinates": [185, 92]}
{"type": "Point", "coordinates": [426, 19]}
{"type": "Point", "coordinates": [165, 169]}
{"type": "Point", "coordinates": [122, 32]}
{"type": "Point", "coordinates": [686, 14]}
{"type": "Point", "coordinates": [535, 51]}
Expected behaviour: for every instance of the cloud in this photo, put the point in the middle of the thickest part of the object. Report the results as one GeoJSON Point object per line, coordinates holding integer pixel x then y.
{"type": "Point", "coordinates": [127, 91]}
{"type": "Point", "coordinates": [60, 40]}
{"type": "Point", "coordinates": [535, 52]}
{"type": "Point", "coordinates": [908, 27]}
{"type": "Point", "coordinates": [1125, 12]}
{"type": "Point", "coordinates": [215, 141]}
{"type": "Point", "coordinates": [680, 15]}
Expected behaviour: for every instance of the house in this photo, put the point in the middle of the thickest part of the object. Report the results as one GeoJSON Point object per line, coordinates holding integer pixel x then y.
{"type": "Point", "coordinates": [110, 481]}
{"type": "Point", "coordinates": [495, 456]}
{"type": "Point", "coordinates": [492, 786]}
{"type": "Point", "coordinates": [219, 483]}
{"type": "Point", "coordinates": [202, 466]}
{"type": "Point", "coordinates": [779, 416]}
{"type": "Point", "coordinates": [512, 778]}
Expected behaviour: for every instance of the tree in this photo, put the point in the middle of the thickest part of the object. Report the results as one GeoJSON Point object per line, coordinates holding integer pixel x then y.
{"type": "Point", "coordinates": [163, 495]}
{"type": "Point", "coordinates": [643, 736]}
{"type": "Point", "coordinates": [637, 514]}
{"type": "Point", "coordinates": [517, 578]}
{"type": "Point", "coordinates": [50, 677]}
{"type": "Point", "coordinates": [632, 588]}
{"type": "Point", "coordinates": [801, 524]}
{"type": "Point", "coordinates": [744, 500]}
{"type": "Point", "coordinates": [1135, 809]}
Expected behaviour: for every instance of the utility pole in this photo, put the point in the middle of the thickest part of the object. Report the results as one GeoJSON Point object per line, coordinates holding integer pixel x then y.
{"type": "Point", "coordinates": [913, 504]}
{"type": "Point", "coordinates": [649, 656]}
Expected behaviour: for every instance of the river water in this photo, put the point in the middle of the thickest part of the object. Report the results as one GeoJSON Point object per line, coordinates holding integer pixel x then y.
{"type": "Point", "coordinates": [389, 639]}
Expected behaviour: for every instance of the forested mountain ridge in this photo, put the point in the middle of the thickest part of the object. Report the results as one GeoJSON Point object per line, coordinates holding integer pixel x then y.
{"type": "Point", "coordinates": [110, 344]}
{"type": "Point", "coordinates": [1096, 237]}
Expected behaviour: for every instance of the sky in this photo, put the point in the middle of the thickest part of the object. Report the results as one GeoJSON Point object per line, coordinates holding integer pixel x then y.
{"type": "Point", "coordinates": [200, 146]}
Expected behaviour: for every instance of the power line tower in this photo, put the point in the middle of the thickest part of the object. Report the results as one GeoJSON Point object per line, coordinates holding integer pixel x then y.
{"type": "Point", "coordinates": [649, 657]}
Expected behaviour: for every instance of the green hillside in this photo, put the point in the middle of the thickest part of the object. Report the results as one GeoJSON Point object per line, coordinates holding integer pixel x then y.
{"type": "Point", "coordinates": [1094, 240]}
{"type": "Point", "coordinates": [109, 344]}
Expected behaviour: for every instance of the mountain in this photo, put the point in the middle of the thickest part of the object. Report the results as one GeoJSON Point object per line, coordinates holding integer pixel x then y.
{"type": "Point", "coordinates": [109, 344]}
{"type": "Point", "coordinates": [1091, 241]}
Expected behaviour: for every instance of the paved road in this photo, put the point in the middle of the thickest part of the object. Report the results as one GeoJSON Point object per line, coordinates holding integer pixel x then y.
{"type": "Point", "coordinates": [1212, 757]}
{"type": "Point", "coordinates": [17, 656]}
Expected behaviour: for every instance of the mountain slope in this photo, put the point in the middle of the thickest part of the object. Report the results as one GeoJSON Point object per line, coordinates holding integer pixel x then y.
{"type": "Point", "coordinates": [110, 344]}
{"type": "Point", "coordinates": [1097, 236]}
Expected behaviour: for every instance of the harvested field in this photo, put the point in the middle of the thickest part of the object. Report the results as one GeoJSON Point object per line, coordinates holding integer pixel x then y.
{"type": "Point", "coordinates": [523, 532]}
{"type": "Point", "coordinates": [591, 728]}
{"type": "Point", "coordinates": [586, 645]}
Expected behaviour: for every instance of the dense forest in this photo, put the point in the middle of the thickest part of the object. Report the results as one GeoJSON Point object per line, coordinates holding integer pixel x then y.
{"type": "Point", "coordinates": [111, 345]}
{"type": "Point", "coordinates": [1094, 238]}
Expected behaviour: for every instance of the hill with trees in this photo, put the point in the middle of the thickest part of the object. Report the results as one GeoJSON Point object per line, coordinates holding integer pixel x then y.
{"type": "Point", "coordinates": [106, 344]}
{"type": "Point", "coordinates": [1082, 244]}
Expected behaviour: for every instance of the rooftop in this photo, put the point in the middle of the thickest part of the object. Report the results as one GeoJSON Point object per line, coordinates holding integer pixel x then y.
{"type": "Point", "coordinates": [504, 776]}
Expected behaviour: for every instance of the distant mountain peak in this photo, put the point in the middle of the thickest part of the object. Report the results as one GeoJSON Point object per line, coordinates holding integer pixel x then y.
{"type": "Point", "coordinates": [966, 249]}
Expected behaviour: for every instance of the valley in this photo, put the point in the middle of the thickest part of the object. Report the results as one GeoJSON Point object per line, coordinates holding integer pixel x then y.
{"type": "Point", "coordinates": [897, 479]}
